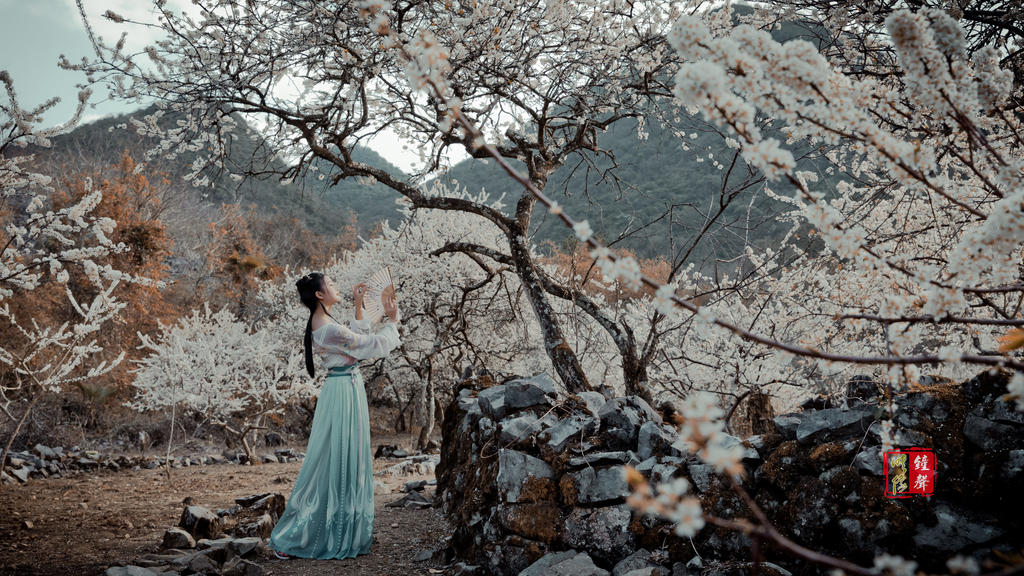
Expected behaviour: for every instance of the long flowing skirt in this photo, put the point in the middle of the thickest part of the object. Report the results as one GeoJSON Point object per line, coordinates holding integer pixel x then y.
{"type": "Point", "coordinates": [330, 511]}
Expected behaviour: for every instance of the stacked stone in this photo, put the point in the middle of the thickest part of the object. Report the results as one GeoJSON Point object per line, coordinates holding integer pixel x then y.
{"type": "Point", "coordinates": [524, 472]}
{"type": "Point", "coordinates": [45, 462]}
{"type": "Point", "coordinates": [228, 542]}
{"type": "Point", "coordinates": [529, 475]}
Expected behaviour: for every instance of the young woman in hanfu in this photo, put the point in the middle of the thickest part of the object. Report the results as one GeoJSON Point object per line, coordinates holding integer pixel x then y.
{"type": "Point", "coordinates": [330, 511]}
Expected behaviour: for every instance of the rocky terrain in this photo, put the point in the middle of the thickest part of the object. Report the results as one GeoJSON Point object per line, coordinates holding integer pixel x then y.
{"type": "Point", "coordinates": [534, 481]}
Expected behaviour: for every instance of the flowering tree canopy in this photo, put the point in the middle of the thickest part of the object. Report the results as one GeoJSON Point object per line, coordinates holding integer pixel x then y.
{"type": "Point", "coordinates": [214, 365]}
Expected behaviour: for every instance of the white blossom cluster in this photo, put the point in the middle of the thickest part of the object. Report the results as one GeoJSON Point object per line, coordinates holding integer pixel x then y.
{"type": "Point", "coordinates": [216, 366]}
{"type": "Point", "coordinates": [38, 240]}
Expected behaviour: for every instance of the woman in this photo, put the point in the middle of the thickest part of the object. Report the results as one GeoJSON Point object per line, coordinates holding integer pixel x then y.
{"type": "Point", "coordinates": [330, 511]}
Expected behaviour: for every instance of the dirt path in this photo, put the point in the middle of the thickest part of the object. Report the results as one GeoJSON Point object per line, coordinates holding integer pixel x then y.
{"type": "Point", "coordinates": [82, 524]}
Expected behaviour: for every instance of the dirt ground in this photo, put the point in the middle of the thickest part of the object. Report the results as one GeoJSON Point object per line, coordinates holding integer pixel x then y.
{"type": "Point", "coordinates": [85, 523]}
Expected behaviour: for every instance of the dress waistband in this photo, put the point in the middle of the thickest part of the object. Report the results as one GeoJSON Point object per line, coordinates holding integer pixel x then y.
{"type": "Point", "coordinates": [341, 370]}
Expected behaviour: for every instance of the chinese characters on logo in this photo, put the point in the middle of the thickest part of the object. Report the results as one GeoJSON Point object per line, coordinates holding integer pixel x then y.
{"type": "Point", "coordinates": [909, 472]}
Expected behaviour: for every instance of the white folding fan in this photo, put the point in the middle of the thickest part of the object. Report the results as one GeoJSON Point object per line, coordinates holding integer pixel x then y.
{"type": "Point", "coordinates": [373, 303]}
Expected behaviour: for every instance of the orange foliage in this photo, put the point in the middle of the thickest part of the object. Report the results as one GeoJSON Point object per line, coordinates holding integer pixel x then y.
{"type": "Point", "coordinates": [585, 274]}
{"type": "Point", "coordinates": [237, 259]}
{"type": "Point", "coordinates": [129, 200]}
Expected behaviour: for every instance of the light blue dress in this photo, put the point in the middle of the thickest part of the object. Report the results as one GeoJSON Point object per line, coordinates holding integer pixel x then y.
{"type": "Point", "coordinates": [330, 511]}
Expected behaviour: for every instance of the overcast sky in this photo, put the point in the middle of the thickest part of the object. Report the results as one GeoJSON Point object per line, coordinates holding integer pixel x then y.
{"type": "Point", "coordinates": [34, 33]}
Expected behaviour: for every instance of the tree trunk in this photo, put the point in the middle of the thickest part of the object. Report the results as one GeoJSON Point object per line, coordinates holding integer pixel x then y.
{"type": "Point", "coordinates": [563, 359]}
{"type": "Point", "coordinates": [634, 372]}
{"type": "Point", "coordinates": [427, 415]}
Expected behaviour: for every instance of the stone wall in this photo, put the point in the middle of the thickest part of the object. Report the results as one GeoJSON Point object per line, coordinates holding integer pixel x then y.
{"type": "Point", "coordinates": [526, 472]}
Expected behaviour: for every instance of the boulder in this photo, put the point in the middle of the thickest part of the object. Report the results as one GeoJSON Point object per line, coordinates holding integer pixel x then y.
{"type": "Point", "coordinates": [621, 419]}
{"type": "Point", "coordinates": [573, 428]}
{"type": "Point", "coordinates": [515, 469]}
{"type": "Point", "coordinates": [786, 425]}
{"type": "Point", "coordinates": [492, 402]}
{"type": "Point", "coordinates": [526, 392]}
{"type": "Point", "coordinates": [200, 522]}
{"type": "Point", "coordinates": [603, 531]}
{"type": "Point", "coordinates": [639, 559]}
{"type": "Point", "coordinates": [569, 563]}
{"type": "Point", "coordinates": [598, 458]}
{"type": "Point", "coordinates": [178, 538]}
{"type": "Point", "coordinates": [519, 428]}
{"type": "Point", "coordinates": [655, 439]}
{"type": "Point", "coordinates": [824, 425]}
{"type": "Point", "coordinates": [593, 401]}
{"type": "Point", "coordinates": [954, 529]}
{"type": "Point", "coordinates": [595, 485]}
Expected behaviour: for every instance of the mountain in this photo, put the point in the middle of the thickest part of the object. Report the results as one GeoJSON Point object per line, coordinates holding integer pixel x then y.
{"type": "Point", "coordinates": [313, 201]}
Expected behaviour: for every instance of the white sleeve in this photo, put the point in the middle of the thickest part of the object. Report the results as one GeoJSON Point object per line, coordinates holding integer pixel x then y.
{"type": "Point", "coordinates": [362, 346]}
{"type": "Point", "coordinates": [359, 326]}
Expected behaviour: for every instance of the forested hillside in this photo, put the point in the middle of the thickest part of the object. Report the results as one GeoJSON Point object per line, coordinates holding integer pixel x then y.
{"type": "Point", "coordinates": [322, 207]}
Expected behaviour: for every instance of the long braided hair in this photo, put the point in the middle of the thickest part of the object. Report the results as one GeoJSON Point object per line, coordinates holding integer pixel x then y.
{"type": "Point", "coordinates": [308, 286]}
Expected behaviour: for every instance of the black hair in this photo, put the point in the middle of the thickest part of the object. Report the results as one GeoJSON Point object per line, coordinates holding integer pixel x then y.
{"type": "Point", "coordinates": [308, 286]}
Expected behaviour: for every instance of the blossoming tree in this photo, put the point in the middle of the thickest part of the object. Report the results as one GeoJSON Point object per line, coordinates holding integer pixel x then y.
{"type": "Point", "coordinates": [542, 80]}
{"type": "Point", "coordinates": [37, 241]}
{"type": "Point", "coordinates": [216, 366]}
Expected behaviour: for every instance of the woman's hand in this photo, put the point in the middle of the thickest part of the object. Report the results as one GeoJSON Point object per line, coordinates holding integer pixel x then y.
{"type": "Point", "coordinates": [357, 294]}
{"type": "Point", "coordinates": [390, 306]}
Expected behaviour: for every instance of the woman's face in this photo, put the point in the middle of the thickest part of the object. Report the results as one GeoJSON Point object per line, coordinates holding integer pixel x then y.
{"type": "Point", "coordinates": [328, 294]}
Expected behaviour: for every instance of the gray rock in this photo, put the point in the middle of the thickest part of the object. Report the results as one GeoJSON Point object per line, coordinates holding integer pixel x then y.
{"type": "Point", "coordinates": [178, 538]}
{"type": "Point", "coordinates": [411, 500]}
{"type": "Point", "coordinates": [655, 439]}
{"type": "Point", "coordinates": [129, 571]}
{"type": "Point", "coordinates": [22, 473]}
{"type": "Point", "coordinates": [514, 468]}
{"type": "Point", "coordinates": [639, 559]}
{"type": "Point", "coordinates": [526, 392]}
{"type": "Point", "coordinates": [542, 565]}
{"type": "Point", "coordinates": [987, 434]}
{"type": "Point", "coordinates": [414, 486]}
{"type": "Point", "coordinates": [701, 475]}
{"type": "Point", "coordinates": [245, 546]}
{"type": "Point", "coordinates": [1014, 464]}
{"type": "Point", "coordinates": [240, 567]}
{"type": "Point", "coordinates": [604, 531]}
{"type": "Point", "coordinates": [574, 427]}
{"type": "Point", "coordinates": [647, 571]}
{"type": "Point", "coordinates": [621, 419]}
{"type": "Point", "coordinates": [748, 452]}
{"type": "Point", "coordinates": [597, 458]}
{"type": "Point", "coordinates": [596, 485]}
{"type": "Point", "coordinates": [680, 569]}
{"type": "Point", "coordinates": [463, 569]}
{"type": "Point", "coordinates": [954, 530]}
{"type": "Point", "coordinates": [44, 451]}
{"type": "Point", "coordinates": [852, 533]}
{"type": "Point", "coordinates": [203, 564]}
{"type": "Point", "coordinates": [160, 560]}
{"type": "Point", "coordinates": [518, 428]}
{"type": "Point", "coordinates": [200, 522]}
{"type": "Point", "coordinates": [492, 402]}
{"type": "Point", "coordinates": [663, 472]}
{"type": "Point", "coordinates": [568, 563]}
{"type": "Point", "coordinates": [593, 400]}
{"type": "Point", "coordinates": [485, 427]}
{"type": "Point", "coordinates": [646, 466]}
{"type": "Point", "coordinates": [786, 425]}
{"type": "Point", "coordinates": [821, 426]}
